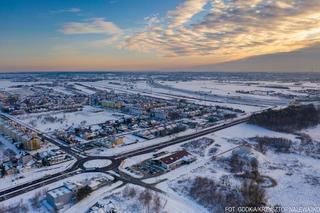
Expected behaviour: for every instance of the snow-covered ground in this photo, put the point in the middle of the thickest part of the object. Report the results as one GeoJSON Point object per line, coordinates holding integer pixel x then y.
{"type": "Point", "coordinates": [5, 84]}
{"type": "Point", "coordinates": [89, 115]}
{"type": "Point", "coordinates": [298, 179]}
{"type": "Point", "coordinates": [84, 89]}
{"type": "Point", "coordinates": [96, 164]}
{"type": "Point", "coordinates": [297, 176]}
{"type": "Point", "coordinates": [229, 88]}
{"type": "Point", "coordinates": [168, 202]}
{"type": "Point", "coordinates": [314, 132]}
{"type": "Point", "coordinates": [82, 206]}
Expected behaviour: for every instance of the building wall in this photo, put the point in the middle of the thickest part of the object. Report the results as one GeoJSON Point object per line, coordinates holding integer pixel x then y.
{"type": "Point", "coordinates": [32, 144]}
{"type": "Point", "coordinates": [58, 202]}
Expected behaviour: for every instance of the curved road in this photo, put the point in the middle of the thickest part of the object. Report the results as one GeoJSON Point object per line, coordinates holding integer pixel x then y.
{"type": "Point", "coordinates": [78, 166]}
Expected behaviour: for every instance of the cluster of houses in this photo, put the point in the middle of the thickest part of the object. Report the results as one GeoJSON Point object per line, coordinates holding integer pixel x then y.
{"type": "Point", "coordinates": [135, 104]}
{"type": "Point", "coordinates": [149, 107]}
{"type": "Point", "coordinates": [161, 131]}
{"type": "Point", "coordinates": [108, 129]}
{"type": "Point", "coordinates": [11, 163]}
{"type": "Point", "coordinates": [35, 99]}
{"type": "Point", "coordinates": [51, 157]}
{"type": "Point", "coordinates": [62, 196]}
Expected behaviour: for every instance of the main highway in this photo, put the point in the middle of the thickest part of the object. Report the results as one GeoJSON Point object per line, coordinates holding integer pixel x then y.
{"type": "Point", "coordinates": [78, 167]}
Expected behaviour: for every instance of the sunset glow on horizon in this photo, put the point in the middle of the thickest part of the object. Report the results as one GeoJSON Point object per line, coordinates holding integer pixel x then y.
{"type": "Point", "coordinates": [171, 35]}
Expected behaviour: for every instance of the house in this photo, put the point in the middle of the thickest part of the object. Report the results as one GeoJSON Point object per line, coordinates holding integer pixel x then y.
{"type": "Point", "coordinates": [103, 208]}
{"type": "Point", "coordinates": [160, 114]}
{"type": "Point", "coordinates": [174, 160]}
{"type": "Point", "coordinates": [9, 168]}
{"type": "Point", "coordinates": [25, 159]}
{"type": "Point", "coordinates": [135, 110]}
{"type": "Point", "coordinates": [117, 141]}
{"type": "Point", "coordinates": [112, 104]}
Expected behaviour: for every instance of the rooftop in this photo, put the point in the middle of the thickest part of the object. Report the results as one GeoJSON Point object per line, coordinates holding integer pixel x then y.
{"type": "Point", "coordinates": [174, 157]}
{"type": "Point", "coordinates": [59, 191]}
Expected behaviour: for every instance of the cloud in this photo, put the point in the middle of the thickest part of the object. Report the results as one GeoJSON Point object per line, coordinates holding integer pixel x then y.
{"type": "Point", "coordinates": [185, 12]}
{"type": "Point", "coordinates": [70, 10]}
{"type": "Point", "coordinates": [303, 60]}
{"type": "Point", "coordinates": [225, 30]}
{"type": "Point", "coordinates": [93, 26]}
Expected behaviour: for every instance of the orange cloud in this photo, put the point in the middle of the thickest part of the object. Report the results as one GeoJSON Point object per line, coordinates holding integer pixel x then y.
{"type": "Point", "coordinates": [217, 31]}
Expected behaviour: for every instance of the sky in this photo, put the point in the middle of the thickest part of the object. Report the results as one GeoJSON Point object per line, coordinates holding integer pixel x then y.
{"type": "Point", "coordinates": [156, 35]}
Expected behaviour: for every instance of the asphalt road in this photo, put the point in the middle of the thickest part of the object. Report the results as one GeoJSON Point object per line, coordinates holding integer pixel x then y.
{"type": "Point", "coordinates": [78, 166]}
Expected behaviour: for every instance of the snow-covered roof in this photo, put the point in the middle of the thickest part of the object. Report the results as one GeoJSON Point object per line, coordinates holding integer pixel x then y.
{"type": "Point", "coordinates": [60, 191]}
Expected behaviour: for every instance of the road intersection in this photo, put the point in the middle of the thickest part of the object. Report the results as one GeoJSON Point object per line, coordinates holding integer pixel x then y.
{"type": "Point", "coordinates": [78, 167]}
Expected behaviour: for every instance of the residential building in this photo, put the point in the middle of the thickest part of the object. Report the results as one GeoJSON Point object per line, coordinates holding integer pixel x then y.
{"type": "Point", "coordinates": [117, 141]}
{"type": "Point", "coordinates": [59, 197]}
{"type": "Point", "coordinates": [32, 144]}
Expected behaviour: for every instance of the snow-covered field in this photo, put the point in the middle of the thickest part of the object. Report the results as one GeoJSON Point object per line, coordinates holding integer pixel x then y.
{"type": "Point", "coordinates": [229, 88]}
{"type": "Point", "coordinates": [297, 176]}
{"type": "Point", "coordinates": [84, 90]}
{"type": "Point", "coordinates": [5, 84]}
{"type": "Point", "coordinates": [88, 116]}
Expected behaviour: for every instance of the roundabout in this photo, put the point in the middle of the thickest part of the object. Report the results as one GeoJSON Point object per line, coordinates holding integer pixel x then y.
{"type": "Point", "coordinates": [97, 163]}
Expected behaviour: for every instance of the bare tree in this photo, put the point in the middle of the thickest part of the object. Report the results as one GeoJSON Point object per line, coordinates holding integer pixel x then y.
{"type": "Point", "coordinates": [35, 201]}
{"type": "Point", "coordinates": [157, 203]}
{"type": "Point", "coordinates": [145, 197]}
{"type": "Point", "coordinates": [125, 191]}
{"type": "Point", "coordinates": [132, 192]}
{"type": "Point", "coordinates": [253, 194]}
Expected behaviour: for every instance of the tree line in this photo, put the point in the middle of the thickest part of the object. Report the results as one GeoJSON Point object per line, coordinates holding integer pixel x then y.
{"type": "Point", "coordinates": [290, 119]}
